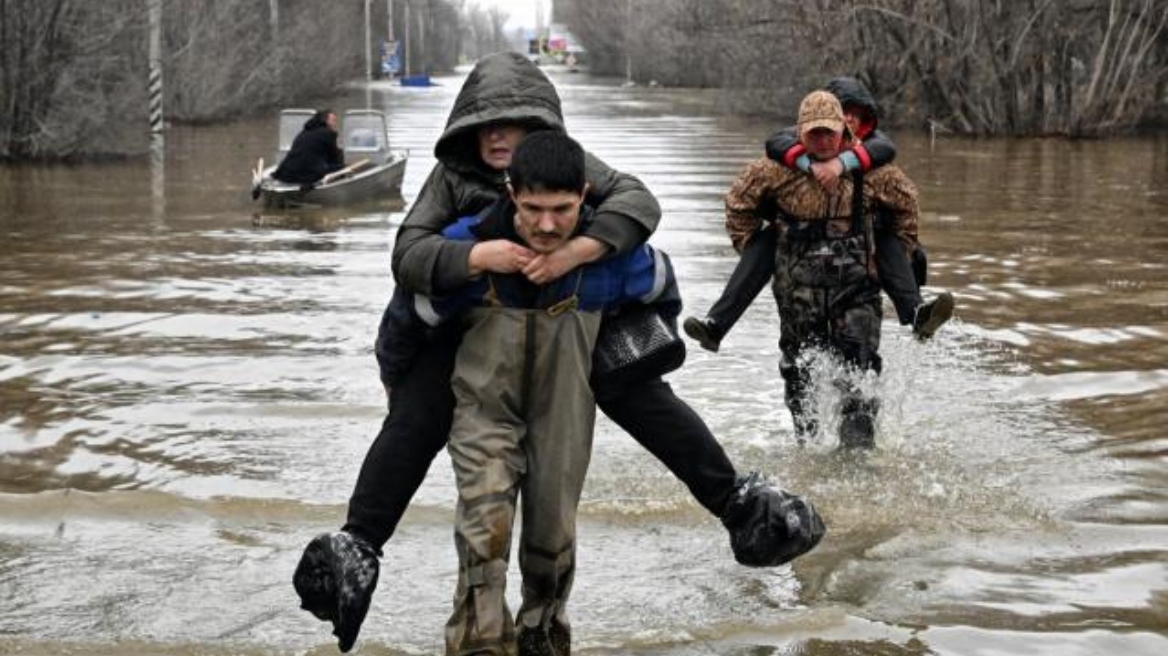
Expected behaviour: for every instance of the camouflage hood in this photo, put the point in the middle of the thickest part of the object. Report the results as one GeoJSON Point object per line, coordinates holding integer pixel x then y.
{"type": "Point", "coordinates": [504, 86]}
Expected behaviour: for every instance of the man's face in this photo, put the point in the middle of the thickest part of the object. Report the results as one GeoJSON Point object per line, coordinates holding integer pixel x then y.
{"type": "Point", "coordinates": [822, 143]}
{"type": "Point", "coordinates": [330, 120]}
{"type": "Point", "coordinates": [497, 142]}
{"type": "Point", "coordinates": [545, 220]}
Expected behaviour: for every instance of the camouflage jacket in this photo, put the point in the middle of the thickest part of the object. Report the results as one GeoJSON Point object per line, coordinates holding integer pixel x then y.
{"type": "Point", "coordinates": [766, 190]}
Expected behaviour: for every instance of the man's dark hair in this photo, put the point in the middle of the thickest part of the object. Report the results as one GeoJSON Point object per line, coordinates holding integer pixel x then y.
{"type": "Point", "coordinates": [548, 160]}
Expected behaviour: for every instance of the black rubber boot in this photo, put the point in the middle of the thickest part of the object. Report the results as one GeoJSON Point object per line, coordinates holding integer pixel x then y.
{"type": "Point", "coordinates": [556, 640]}
{"type": "Point", "coordinates": [561, 638]}
{"type": "Point", "coordinates": [932, 315]}
{"type": "Point", "coordinates": [335, 580]}
{"type": "Point", "coordinates": [704, 331]}
{"type": "Point", "coordinates": [806, 426]}
{"type": "Point", "coordinates": [768, 526]}
{"type": "Point", "coordinates": [858, 426]}
{"type": "Point", "coordinates": [858, 423]}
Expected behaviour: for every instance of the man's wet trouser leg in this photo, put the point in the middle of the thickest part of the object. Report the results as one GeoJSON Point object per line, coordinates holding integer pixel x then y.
{"type": "Point", "coordinates": [668, 428]}
{"type": "Point", "coordinates": [414, 431]}
{"type": "Point", "coordinates": [558, 446]}
{"type": "Point", "coordinates": [851, 331]}
{"type": "Point", "coordinates": [896, 275]}
{"type": "Point", "coordinates": [796, 395]}
{"type": "Point", "coordinates": [750, 276]}
{"type": "Point", "coordinates": [857, 339]}
{"type": "Point", "coordinates": [489, 465]}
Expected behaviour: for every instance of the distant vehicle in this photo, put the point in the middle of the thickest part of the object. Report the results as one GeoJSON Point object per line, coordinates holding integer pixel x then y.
{"type": "Point", "coordinates": [374, 170]}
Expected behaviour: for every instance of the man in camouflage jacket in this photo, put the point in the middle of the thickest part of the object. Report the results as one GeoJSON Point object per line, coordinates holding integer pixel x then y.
{"type": "Point", "coordinates": [825, 270]}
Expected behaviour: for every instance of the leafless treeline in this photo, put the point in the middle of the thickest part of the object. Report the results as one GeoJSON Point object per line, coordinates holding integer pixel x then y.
{"type": "Point", "coordinates": [73, 73]}
{"type": "Point", "coordinates": [1075, 67]}
{"type": "Point", "coordinates": [57, 71]}
{"type": "Point", "coordinates": [483, 30]}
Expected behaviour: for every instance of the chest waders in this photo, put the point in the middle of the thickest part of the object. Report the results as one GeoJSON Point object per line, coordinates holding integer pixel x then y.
{"type": "Point", "coordinates": [522, 434]}
{"type": "Point", "coordinates": [828, 296]}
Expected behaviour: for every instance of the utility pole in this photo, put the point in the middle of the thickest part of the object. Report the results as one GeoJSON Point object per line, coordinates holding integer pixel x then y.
{"type": "Point", "coordinates": [407, 37]}
{"type": "Point", "coordinates": [630, 31]}
{"type": "Point", "coordinates": [422, 17]}
{"type": "Point", "coordinates": [368, 45]}
{"type": "Point", "coordinates": [274, 21]}
{"type": "Point", "coordinates": [154, 8]}
{"type": "Point", "coordinates": [157, 136]}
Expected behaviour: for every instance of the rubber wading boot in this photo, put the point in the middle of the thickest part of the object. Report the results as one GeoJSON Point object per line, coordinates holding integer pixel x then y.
{"type": "Point", "coordinates": [932, 315]}
{"type": "Point", "coordinates": [556, 640]}
{"type": "Point", "coordinates": [704, 331]}
{"type": "Point", "coordinates": [857, 428]}
{"type": "Point", "coordinates": [335, 580]}
{"type": "Point", "coordinates": [535, 642]}
{"type": "Point", "coordinates": [857, 431]}
{"type": "Point", "coordinates": [561, 638]}
{"type": "Point", "coordinates": [768, 526]}
{"type": "Point", "coordinates": [806, 426]}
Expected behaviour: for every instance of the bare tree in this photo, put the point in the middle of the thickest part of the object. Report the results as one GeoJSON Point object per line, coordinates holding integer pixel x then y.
{"type": "Point", "coordinates": [743, 46]}
{"type": "Point", "coordinates": [73, 72]}
{"type": "Point", "coordinates": [1075, 67]}
{"type": "Point", "coordinates": [483, 30]}
{"type": "Point", "coordinates": [59, 59]}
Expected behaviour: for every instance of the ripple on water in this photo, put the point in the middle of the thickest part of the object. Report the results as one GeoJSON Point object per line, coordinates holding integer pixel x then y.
{"type": "Point", "coordinates": [210, 380]}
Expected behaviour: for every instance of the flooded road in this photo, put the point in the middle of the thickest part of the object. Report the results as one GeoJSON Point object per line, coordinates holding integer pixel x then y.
{"type": "Point", "coordinates": [187, 391]}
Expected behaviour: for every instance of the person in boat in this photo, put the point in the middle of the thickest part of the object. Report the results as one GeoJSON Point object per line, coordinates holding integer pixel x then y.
{"type": "Point", "coordinates": [504, 98]}
{"type": "Point", "coordinates": [825, 281]}
{"type": "Point", "coordinates": [901, 273]}
{"type": "Point", "coordinates": [314, 152]}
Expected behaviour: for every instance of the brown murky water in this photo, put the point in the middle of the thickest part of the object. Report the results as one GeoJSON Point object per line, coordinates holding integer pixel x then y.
{"type": "Point", "coordinates": [187, 390]}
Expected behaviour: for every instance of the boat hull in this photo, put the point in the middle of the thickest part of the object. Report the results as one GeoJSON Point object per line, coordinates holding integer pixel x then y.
{"type": "Point", "coordinates": [373, 183]}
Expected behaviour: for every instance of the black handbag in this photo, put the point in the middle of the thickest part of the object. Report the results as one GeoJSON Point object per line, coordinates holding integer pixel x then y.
{"type": "Point", "coordinates": [637, 344]}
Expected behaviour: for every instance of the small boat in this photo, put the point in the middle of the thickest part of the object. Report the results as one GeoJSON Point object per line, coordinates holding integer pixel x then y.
{"type": "Point", "coordinates": [375, 170]}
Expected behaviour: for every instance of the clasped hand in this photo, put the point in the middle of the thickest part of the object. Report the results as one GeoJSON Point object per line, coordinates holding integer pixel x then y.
{"type": "Point", "coordinates": [828, 173]}
{"type": "Point", "coordinates": [503, 256]}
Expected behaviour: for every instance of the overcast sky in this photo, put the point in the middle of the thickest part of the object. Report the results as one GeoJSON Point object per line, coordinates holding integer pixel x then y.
{"type": "Point", "coordinates": [522, 12]}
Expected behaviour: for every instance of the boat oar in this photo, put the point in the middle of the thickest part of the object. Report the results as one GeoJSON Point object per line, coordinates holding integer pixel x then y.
{"type": "Point", "coordinates": [257, 178]}
{"type": "Point", "coordinates": [337, 175]}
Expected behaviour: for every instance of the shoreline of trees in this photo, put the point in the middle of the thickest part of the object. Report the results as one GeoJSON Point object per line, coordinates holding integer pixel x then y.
{"type": "Point", "coordinates": [1076, 68]}
{"type": "Point", "coordinates": [73, 73]}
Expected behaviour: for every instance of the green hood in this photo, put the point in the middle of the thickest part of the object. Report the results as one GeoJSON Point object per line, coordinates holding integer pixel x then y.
{"type": "Point", "coordinates": [502, 86]}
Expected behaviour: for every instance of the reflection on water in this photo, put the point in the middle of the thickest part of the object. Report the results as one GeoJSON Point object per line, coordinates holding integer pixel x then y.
{"type": "Point", "coordinates": [187, 390]}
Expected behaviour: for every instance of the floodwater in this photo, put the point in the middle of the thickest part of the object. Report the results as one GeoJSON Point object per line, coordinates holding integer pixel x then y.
{"type": "Point", "coordinates": [187, 390]}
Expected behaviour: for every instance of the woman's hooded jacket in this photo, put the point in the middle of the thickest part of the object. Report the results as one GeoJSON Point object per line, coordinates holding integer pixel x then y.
{"type": "Point", "coordinates": [502, 87]}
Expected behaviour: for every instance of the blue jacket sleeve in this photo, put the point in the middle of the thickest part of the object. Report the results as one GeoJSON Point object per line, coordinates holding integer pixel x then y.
{"type": "Point", "coordinates": [648, 278]}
